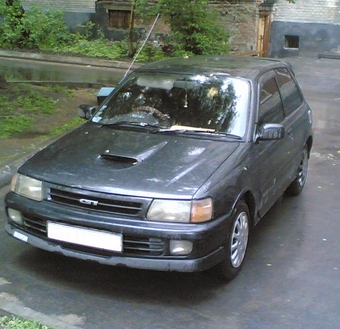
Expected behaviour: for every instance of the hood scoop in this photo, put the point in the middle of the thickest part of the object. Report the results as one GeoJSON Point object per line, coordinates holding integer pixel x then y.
{"type": "Point", "coordinates": [119, 162]}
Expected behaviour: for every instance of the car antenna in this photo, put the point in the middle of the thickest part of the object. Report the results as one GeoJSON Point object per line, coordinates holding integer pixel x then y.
{"type": "Point", "coordinates": [142, 46]}
{"type": "Point", "coordinates": [105, 91]}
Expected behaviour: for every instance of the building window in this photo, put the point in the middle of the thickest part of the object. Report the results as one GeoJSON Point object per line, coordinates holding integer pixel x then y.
{"type": "Point", "coordinates": [292, 41]}
{"type": "Point", "coordinates": [119, 19]}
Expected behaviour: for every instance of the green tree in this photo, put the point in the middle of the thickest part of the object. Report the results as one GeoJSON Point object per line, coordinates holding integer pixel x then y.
{"type": "Point", "coordinates": [32, 29]}
{"type": "Point", "coordinates": [194, 28]}
{"type": "Point", "coordinates": [11, 29]}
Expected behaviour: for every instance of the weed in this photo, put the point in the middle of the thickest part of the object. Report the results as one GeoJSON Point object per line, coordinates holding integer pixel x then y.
{"type": "Point", "coordinates": [24, 106]}
{"type": "Point", "coordinates": [67, 126]}
{"type": "Point", "coordinates": [33, 102]}
{"type": "Point", "coordinates": [60, 89]}
{"type": "Point", "coordinates": [12, 125]}
{"type": "Point", "coordinates": [18, 323]}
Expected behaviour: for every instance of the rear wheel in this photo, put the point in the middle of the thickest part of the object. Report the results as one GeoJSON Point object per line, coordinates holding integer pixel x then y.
{"type": "Point", "coordinates": [296, 187]}
{"type": "Point", "coordinates": [236, 244]}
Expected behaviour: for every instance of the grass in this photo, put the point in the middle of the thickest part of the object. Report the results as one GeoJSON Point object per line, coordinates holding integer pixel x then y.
{"type": "Point", "coordinates": [15, 124]}
{"type": "Point", "coordinates": [24, 106]}
{"type": "Point", "coordinates": [19, 323]}
{"type": "Point", "coordinates": [67, 126]}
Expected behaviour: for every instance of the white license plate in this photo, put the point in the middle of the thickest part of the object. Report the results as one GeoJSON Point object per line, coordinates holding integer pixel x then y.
{"type": "Point", "coordinates": [85, 236]}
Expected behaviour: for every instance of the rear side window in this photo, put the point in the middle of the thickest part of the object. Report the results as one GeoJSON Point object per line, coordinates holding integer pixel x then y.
{"type": "Point", "coordinates": [271, 110]}
{"type": "Point", "coordinates": [290, 94]}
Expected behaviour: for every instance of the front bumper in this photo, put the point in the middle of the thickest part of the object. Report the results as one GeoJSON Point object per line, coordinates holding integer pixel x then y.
{"type": "Point", "coordinates": [160, 264]}
{"type": "Point", "coordinates": [207, 238]}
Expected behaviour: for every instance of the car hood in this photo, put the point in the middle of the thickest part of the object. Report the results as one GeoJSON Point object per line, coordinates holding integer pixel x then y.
{"type": "Point", "coordinates": [128, 162]}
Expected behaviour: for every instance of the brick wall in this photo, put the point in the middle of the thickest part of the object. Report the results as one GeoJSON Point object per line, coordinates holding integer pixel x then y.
{"type": "Point", "coordinates": [312, 11]}
{"type": "Point", "coordinates": [240, 19]}
{"type": "Point", "coordinates": [78, 6]}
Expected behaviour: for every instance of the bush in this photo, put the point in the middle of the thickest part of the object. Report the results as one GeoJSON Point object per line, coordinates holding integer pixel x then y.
{"type": "Point", "coordinates": [194, 31]}
{"type": "Point", "coordinates": [150, 53]}
{"type": "Point", "coordinates": [194, 28]}
{"type": "Point", "coordinates": [19, 323]}
{"type": "Point", "coordinates": [33, 29]}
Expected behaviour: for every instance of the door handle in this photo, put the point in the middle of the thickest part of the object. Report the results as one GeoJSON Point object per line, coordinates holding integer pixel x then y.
{"type": "Point", "coordinates": [290, 133]}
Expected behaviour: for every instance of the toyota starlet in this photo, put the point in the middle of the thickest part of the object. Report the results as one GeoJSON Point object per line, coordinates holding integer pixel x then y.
{"type": "Point", "coordinates": [173, 168]}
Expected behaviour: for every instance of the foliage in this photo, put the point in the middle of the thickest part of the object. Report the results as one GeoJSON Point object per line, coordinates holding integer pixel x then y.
{"type": "Point", "coordinates": [33, 102]}
{"type": "Point", "coordinates": [84, 43]}
{"type": "Point", "coordinates": [67, 126]}
{"type": "Point", "coordinates": [18, 323]}
{"type": "Point", "coordinates": [22, 104]}
{"type": "Point", "coordinates": [11, 30]}
{"type": "Point", "coordinates": [99, 48]}
{"type": "Point", "coordinates": [61, 89]}
{"type": "Point", "coordinates": [194, 29]}
{"type": "Point", "coordinates": [194, 26]}
{"type": "Point", "coordinates": [46, 30]}
{"type": "Point", "coordinates": [33, 29]}
{"type": "Point", "coordinates": [150, 53]}
{"type": "Point", "coordinates": [16, 124]}
{"type": "Point", "coordinates": [25, 97]}
{"type": "Point", "coordinates": [87, 31]}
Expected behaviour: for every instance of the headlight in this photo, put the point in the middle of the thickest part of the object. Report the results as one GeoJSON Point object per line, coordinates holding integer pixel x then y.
{"type": "Point", "coordinates": [181, 211]}
{"type": "Point", "coordinates": [28, 187]}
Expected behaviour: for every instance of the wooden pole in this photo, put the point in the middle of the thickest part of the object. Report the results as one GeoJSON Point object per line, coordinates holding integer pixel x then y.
{"type": "Point", "coordinates": [131, 26]}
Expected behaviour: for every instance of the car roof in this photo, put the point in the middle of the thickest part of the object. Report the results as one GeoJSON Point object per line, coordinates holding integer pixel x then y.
{"type": "Point", "coordinates": [236, 66]}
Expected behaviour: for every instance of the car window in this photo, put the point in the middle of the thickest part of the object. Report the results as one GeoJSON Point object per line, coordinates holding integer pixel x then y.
{"type": "Point", "coordinates": [290, 94]}
{"type": "Point", "coordinates": [178, 101]}
{"type": "Point", "coordinates": [271, 109]}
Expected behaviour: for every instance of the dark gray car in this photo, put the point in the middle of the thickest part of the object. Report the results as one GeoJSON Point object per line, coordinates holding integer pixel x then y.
{"type": "Point", "coordinates": [173, 168]}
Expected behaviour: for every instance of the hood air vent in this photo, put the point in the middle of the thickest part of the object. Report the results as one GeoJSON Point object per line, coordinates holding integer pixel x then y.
{"type": "Point", "coordinates": [119, 162]}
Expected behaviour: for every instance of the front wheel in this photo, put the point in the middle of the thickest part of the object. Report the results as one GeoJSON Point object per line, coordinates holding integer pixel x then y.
{"type": "Point", "coordinates": [236, 244]}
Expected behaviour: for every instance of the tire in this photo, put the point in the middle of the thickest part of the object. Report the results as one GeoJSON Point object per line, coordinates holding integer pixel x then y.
{"type": "Point", "coordinates": [236, 244]}
{"type": "Point", "coordinates": [296, 187]}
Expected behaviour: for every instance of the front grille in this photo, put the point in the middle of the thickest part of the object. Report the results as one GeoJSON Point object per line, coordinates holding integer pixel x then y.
{"type": "Point", "coordinates": [142, 246]}
{"type": "Point", "coordinates": [35, 225]}
{"type": "Point", "coordinates": [132, 245]}
{"type": "Point", "coordinates": [102, 202]}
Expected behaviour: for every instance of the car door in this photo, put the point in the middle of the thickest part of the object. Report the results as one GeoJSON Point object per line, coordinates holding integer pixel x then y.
{"type": "Point", "coordinates": [298, 114]}
{"type": "Point", "coordinates": [275, 155]}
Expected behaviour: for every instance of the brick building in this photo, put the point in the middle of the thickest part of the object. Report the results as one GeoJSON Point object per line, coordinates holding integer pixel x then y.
{"type": "Point", "coordinates": [305, 27]}
{"type": "Point", "coordinates": [240, 17]}
{"type": "Point", "coordinates": [76, 12]}
{"type": "Point", "coordinates": [273, 28]}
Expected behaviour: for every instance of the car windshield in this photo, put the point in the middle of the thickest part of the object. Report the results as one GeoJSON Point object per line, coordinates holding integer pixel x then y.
{"type": "Point", "coordinates": [179, 102]}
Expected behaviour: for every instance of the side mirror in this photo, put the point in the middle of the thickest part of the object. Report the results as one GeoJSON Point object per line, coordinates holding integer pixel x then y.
{"type": "Point", "coordinates": [270, 131]}
{"type": "Point", "coordinates": [86, 111]}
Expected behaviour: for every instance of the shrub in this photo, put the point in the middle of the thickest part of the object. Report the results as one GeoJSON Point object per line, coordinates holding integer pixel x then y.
{"type": "Point", "coordinates": [33, 29]}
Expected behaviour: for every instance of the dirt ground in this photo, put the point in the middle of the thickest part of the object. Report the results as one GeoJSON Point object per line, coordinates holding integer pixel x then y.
{"type": "Point", "coordinates": [22, 144]}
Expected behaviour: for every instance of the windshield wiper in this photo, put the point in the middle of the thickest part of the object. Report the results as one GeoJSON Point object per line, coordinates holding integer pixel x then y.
{"type": "Point", "coordinates": [198, 131]}
{"type": "Point", "coordinates": [132, 124]}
